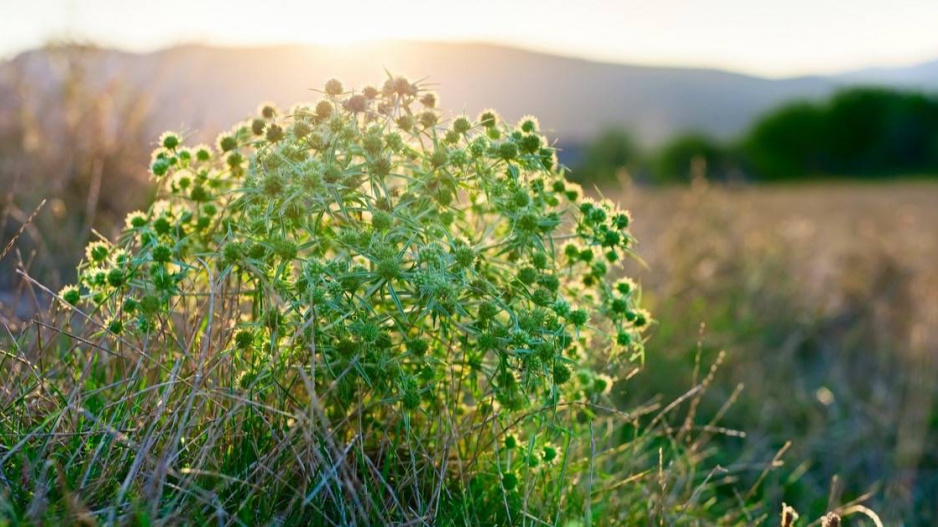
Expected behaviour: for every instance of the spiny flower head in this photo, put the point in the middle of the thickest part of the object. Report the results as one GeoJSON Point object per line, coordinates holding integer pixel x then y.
{"type": "Point", "coordinates": [429, 99]}
{"type": "Point", "coordinates": [488, 118]}
{"type": "Point", "coordinates": [227, 142]}
{"type": "Point", "coordinates": [529, 124]}
{"type": "Point", "coordinates": [70, 294]}
{"type": "Point", "coordinates": [549, 453]}
{"type": "Point", "coordinates": [97, 251]}
{"type": "Point", "coordinates": [333, 87]}
{"type": "Point", "coordinates": [170, 140]}
{"type": "Point", "coordinates": [202, 152]}
{"type": "Point", "coordinates": [267, 110]}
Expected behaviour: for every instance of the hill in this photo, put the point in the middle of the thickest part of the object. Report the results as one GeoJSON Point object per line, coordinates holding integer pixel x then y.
{"type": "Point", "coordinates": [917, 77]}
{"type": "Point", "coordinates": [575, 98]}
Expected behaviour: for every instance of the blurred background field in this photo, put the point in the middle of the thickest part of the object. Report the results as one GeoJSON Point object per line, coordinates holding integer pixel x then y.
{"type": "Point", "coordinates": [825, 299]}
{"type": "Point", "coordinates": [791, 222]}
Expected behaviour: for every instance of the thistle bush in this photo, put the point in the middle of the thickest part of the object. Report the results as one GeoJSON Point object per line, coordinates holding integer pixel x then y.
{"type": "Point", "coordinates": [364, 236]}
{"type": "Point", "coordinates": [376, 310]}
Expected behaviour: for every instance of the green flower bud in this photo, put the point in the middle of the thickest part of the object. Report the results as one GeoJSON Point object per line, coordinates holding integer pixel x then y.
{"type": "Point", "coordinates": [439, 157]}
{"type": "Point", "coordinates": [202, 153]}
{"type": "Point", "coordinates": [160, 167]}
{"type": "Point", "coordinates": [561, 373]}
{"type": "Point", "coordinates": [116, 277]}
{"type": "Point", "coordinates": [97, 252]}
{"type": "Point", "coordinates": [578, 317]}
{"type": "Point", "coordinates": [542, 296]}
{"type": "Point", "coordinates": [243, 339]}
{"type": "Point", "coordinates": [227, 143]}
{"type": "Point", "coordinates": [381, 220]}
{"type": "Point", "coordinates": [530, 144]}
{"type": "Point", "coordinates": [235, 159]}
{"type": "Point", "coordinates": [418, 347]}
{"type": "Point", "coordinates": [597, 215]}
{"type": "Point", "coordinates": [130, 306]}
{"type": "Point", "coordinates": [539, 260]}
{"type": "Point", "coordinates": [268, 111]}
{"type": "Point", "coordinates": [169, 140]}
{"type": "Point", "coordinates": [257, 126]}
{"type": "Point", "coordinates": [549, 454]}
{"type": "Point", "coordinates": [70, 294]}
{"type": "Point", "coordinates": [465, 256]}
{"type": "Point", "coordinates": [389, 268]}
{"type": "Point", "coordinates": [428, 118]}
{"type": "Point", "coordinates": [529, 124]}
{"type": "Point", "coordinates": [301, 129]}
{"type": "Point", "coordinates": [161, 225]}
{"type": "Point", "coordinates": [488, 118]}
{"type": "Point", "coordinates": [461, 125]}
{"type": "Point", "coordinates": [274, 133]}
{"type": "Point", "coordinates": [527, 275]}
{"type": "Point", "coordinates": [405, 123]}
{"type": "Point", "coordinates": [508, 150]}
{"type": "Point", "coordinates": [487, 310]}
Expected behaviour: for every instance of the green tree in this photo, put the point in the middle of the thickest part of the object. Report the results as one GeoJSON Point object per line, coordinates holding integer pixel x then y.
{"type": "Point", "coordinates": [871, 132]}
{"type": "Point", "coordinates": [878, 131]}
{"type": "Point", "coordinates": [788, 142]}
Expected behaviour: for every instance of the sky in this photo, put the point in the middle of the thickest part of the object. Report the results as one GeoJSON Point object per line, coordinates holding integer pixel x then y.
{"type": "Point", "coordinates": [774, 38]}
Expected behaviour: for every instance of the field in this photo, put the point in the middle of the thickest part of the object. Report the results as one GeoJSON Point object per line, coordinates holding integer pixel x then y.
{"type": "Point", "coordinates": [789, 357]}
{"type": "Point", "coordinates": [408, 265]}
{"type": "Point", "coordinates": [825, 299]}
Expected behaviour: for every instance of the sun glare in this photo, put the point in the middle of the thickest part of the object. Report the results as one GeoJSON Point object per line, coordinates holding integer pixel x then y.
{"type": "Point", "coordinates": [311, 24]}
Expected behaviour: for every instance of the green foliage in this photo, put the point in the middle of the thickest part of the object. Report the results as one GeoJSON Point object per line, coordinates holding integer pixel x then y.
{"type": "Point", "coordinates": [859, 132]}
{"type": "Point", "coordinates": [789, 142]}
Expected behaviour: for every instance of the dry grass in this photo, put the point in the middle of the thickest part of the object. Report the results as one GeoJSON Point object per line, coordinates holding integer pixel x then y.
{"type": "Point", "coordinates": [170, 432]}
{"type": "Point", "coordinates": [826, 300]}
{"type": "Point", "coordinates": [79, 143]}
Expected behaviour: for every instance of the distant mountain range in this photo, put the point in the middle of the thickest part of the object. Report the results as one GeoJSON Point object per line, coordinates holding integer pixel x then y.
{"type": "Point", "coordinates": [203, 89]}
{"type": "Point", "coordinates": [921, 76]}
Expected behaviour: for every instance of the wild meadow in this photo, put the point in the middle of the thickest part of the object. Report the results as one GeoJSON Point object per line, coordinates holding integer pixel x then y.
{"type": "Point", "coordinates": [368, 310]}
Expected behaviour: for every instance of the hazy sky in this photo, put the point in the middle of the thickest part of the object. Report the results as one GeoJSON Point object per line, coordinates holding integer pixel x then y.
{"type": "Point", "coordinates": [768, 37]}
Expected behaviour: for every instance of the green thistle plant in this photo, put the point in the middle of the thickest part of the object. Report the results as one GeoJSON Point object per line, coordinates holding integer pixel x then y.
{"type": "Point", "coordinates": [416, 271]}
